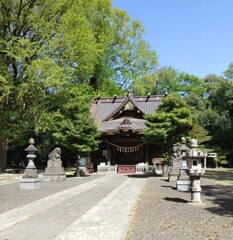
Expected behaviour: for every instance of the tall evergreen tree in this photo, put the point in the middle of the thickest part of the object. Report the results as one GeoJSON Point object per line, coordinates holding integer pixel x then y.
{"type": "Point", "coordinates": [69, 121]}
{"type": "Point", "coordinates": [171, 121]}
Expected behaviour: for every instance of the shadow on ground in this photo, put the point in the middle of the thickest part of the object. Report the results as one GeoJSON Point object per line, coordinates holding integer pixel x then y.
{"type": "Point", "coordinates": [146, 175]}
{"type": "Point", "coordinates": [219, 175]}
{"type": "Point", "coordinates": [142, 175]}
{"type": "Point", "coordinates": [177, 200]}
{"type": "Point", "coordinates": [165, 186]}
{"type": "Point", "coordinates": [221, 196]}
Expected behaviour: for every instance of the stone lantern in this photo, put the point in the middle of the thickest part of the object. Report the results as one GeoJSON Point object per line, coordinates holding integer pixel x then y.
{"type": "Point", "coordinates": [30, 178]}
{"type": "Point", "coordinates": [183, 182]}
{"type": "Point", "coordinates": [31, 171]}
{"type": "Point", "coordinates": [176, 164]}
{"type": "Point", "coordinates": [177, 160]}
{"type": "Point", "coordinates": [195, 170]}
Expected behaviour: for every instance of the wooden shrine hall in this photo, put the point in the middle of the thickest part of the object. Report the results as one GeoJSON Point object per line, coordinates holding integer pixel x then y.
{"type": "Point", "coordinates": [120, 120]}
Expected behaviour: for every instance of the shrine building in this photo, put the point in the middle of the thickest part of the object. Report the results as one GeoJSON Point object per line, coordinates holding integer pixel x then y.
{"type": "Point", "coordinates": [121, 122]}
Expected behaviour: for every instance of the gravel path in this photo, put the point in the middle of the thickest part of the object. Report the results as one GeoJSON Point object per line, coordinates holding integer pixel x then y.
{"type": "Point", "coordinates": [164, 213]}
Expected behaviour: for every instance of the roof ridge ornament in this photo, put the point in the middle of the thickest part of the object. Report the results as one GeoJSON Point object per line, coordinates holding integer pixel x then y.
{"type": "Point", "coordinates": [129, 106]}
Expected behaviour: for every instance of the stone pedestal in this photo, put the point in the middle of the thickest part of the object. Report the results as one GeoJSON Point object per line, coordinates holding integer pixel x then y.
{"type": "Point", "coordinates": [29, 183]}
{"type": "Point", "coordinates": [183, 185]}
{"type": "Point", "coordinates": [183, 182]}
{"type": "Point", "coordinates": [196, 190]}
{"type": "Point", "coordinates": [54, 175]}
{"type": "Point", "coordinates": [195, 176]}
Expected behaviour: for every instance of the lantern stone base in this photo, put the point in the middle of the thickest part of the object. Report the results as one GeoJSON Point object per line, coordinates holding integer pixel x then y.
{"type": "Point", "coordinates": [29, 183]}
{"type": "Point", "coordinates": [195, 175]}
{"type": "Point", "coordinates": [196, 198]}
{"type": "Point", "coordinates": [183, 185]}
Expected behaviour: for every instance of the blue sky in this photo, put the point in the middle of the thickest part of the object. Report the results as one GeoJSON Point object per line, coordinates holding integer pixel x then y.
{"type": "Point", "coordinates": [194, 36]}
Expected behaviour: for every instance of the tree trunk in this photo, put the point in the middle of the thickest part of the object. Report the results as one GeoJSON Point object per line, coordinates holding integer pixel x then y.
{"type": "Point", "coordinates": [3, 155]}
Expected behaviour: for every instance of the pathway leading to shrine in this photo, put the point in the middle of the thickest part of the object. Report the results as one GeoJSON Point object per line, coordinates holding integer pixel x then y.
{"type": "Point", "coordinates": [97, 209]}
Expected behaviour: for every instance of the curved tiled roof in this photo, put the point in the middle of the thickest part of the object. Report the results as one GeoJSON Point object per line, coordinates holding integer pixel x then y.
{"type": "Point", "coordinates": [105, 112]}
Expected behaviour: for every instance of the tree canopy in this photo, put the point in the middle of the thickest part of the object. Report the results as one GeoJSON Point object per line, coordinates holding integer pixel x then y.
{"type": "Point", "coordinates": [171, 121]}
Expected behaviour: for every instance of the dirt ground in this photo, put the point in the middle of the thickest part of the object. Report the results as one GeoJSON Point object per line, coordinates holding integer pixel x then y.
{"type": "Point", "coordinates": [164, 213]}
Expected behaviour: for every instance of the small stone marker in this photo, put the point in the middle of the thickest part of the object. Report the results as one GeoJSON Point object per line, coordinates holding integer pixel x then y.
{"type": "Point", "coordinates": [54, 171]}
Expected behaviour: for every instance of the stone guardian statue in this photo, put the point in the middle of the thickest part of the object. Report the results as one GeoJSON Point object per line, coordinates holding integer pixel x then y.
{"type": "Point", "coordinates": [54, 171]}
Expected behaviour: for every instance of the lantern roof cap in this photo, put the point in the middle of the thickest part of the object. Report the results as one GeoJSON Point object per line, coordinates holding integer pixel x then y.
{"type": "Point", "coordinates": [31, 146]}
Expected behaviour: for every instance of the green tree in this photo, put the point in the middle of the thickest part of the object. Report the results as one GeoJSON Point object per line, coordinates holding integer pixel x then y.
{"type": "Point", "coordinates": [70, 122]}
{"type": "Point", "coordinates": [199, 133]}
{"type": "Point", "coordinates": [21, 44]}
{"type": "Point", "coordinates": [171, 121]}
{"type": "Point", "coordinates": [229, 71]}
{"type": "Point", "coordinates": [41, 51]}
{"type": "Point", "coordinates": [125, 56]}
{"type": "Point", "coordinates": [191, 85]}
{"type": "Point", "coordinates": [218, 117]}
{"type": "Point", "coordinates": [167, 79]}
{"type": "Point", "coordinates": [158, 82]}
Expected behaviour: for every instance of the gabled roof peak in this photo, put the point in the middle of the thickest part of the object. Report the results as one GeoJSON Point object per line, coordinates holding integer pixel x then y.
{"type": "Point", "coordinates": [127, 104]}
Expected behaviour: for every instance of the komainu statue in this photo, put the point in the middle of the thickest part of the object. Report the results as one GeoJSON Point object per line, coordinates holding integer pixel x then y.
{"type": "Point", "coordinates": [54, 170]}
{"type": "Point", "coordinates": [55, 159]}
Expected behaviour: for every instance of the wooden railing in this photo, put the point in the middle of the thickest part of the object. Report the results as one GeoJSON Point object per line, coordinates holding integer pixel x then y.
{"type": "Point", "coordinates": [106, 169]}
{"type": "Point", "coordinates": [140, 168]}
